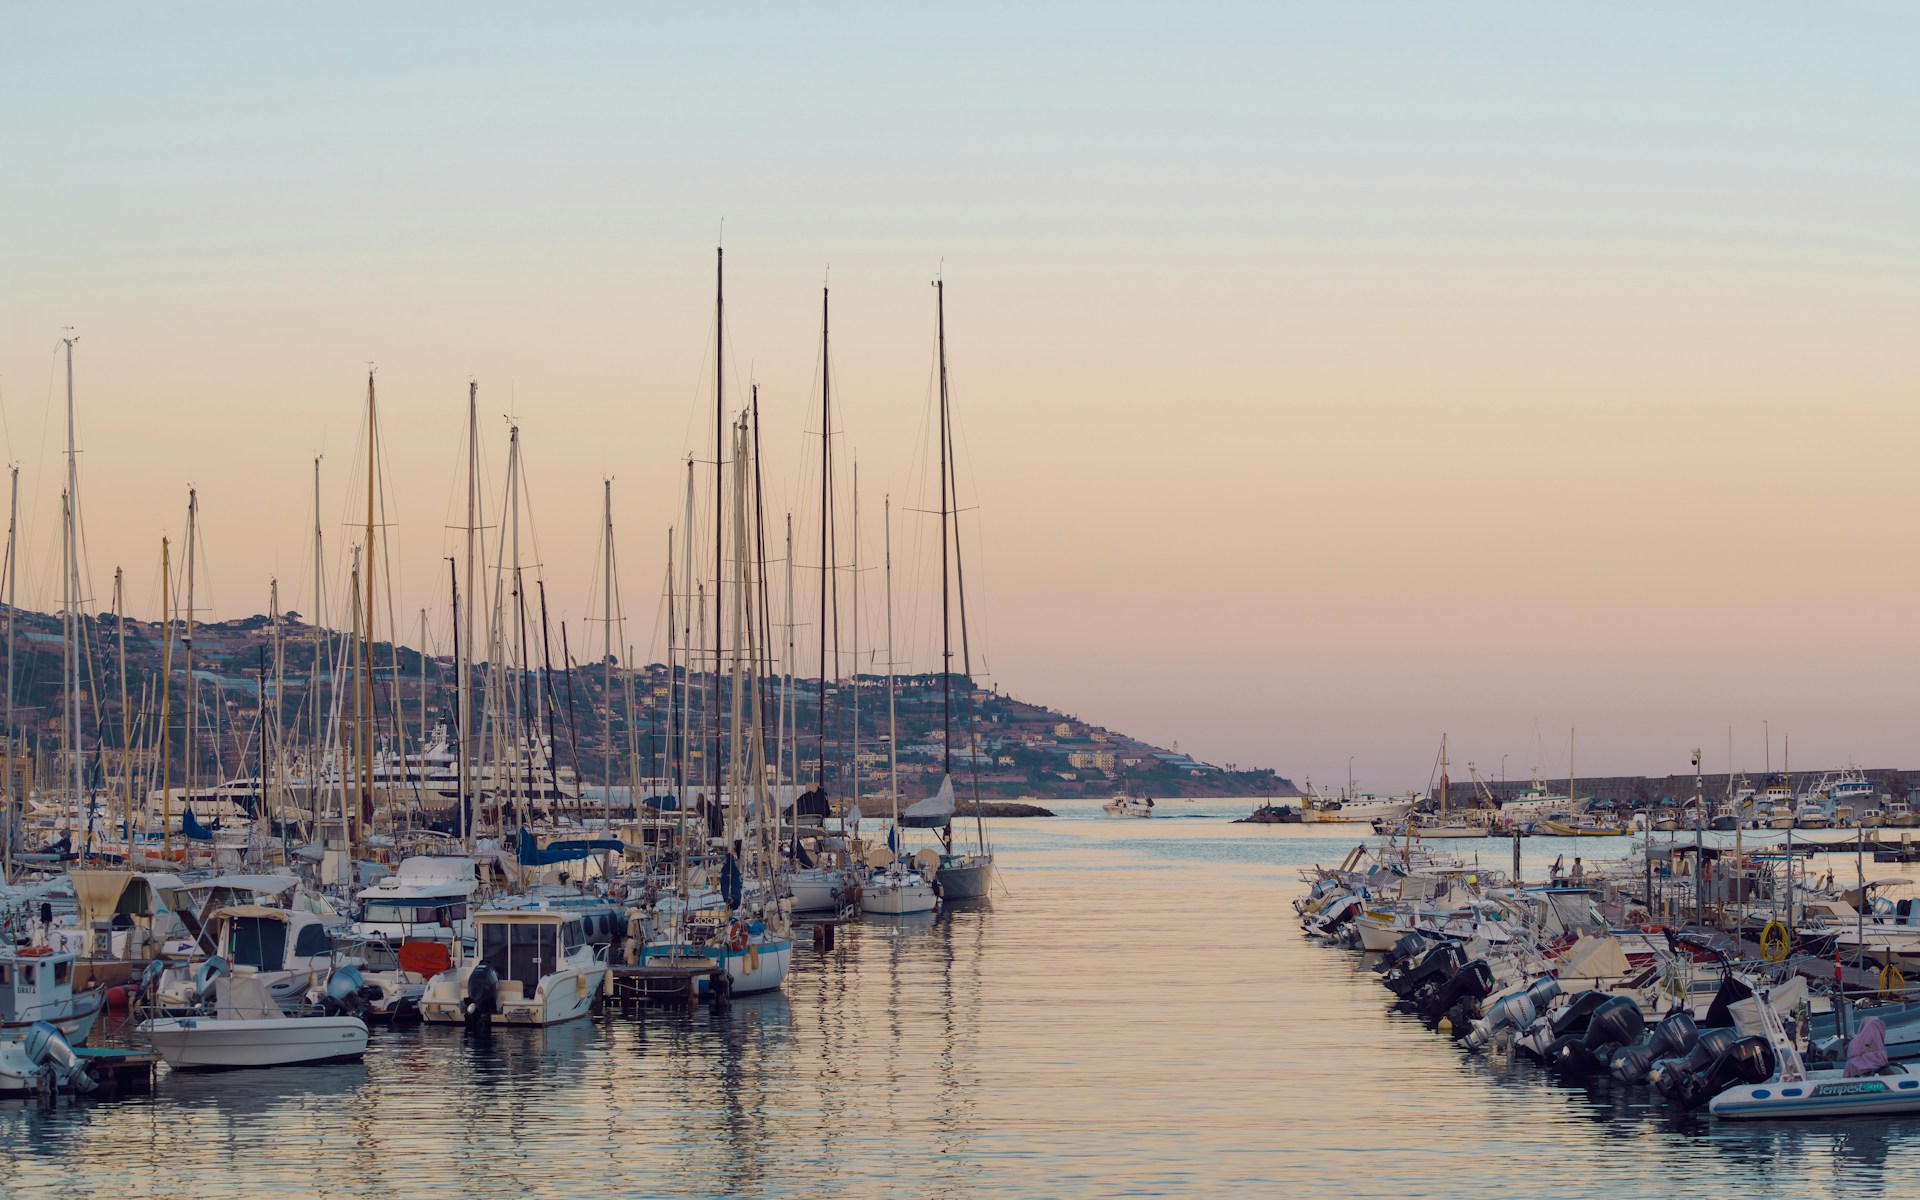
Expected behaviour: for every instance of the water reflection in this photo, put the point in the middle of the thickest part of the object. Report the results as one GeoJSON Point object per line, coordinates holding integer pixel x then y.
{"type": "Point", "coordinates": [1139, 1016]}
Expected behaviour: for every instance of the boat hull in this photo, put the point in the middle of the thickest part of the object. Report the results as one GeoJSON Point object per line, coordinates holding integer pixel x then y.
{"type": "Point", "coordinates": [898, 900]}
{"type": "Point", "coordinates": [965, 876]}
{"type": "Point", "coordinates": [1822, 1094]}
{"type": "Point", "coordinates": [210, 1043]}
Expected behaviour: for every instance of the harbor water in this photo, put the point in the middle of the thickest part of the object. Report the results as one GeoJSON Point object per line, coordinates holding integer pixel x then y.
{"type": "Point", "coordinates": [1136, 1014]}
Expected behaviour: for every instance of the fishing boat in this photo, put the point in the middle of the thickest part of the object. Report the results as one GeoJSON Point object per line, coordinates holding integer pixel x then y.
{"type": "Point", "coordinates": [36, 984]}
{"type": "Point", "coordinates": [532, 965]}
{"type": "Point", "coordinates": [247, 1027]}
{"type": "Point", "coordinates": [426, 900]}
{"type": "Point", "coordinates": [287, 950]}
{"type": "Point", "coordinates": [1128, 806]}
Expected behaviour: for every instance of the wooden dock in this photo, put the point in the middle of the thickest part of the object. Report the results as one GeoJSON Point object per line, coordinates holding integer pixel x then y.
{"type": "Point", "coordinates": [670, 982]}
{"type": "Point", "coordinates": [118, 1072]}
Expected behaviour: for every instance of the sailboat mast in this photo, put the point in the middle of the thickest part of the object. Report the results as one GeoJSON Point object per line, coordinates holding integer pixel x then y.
{"type": "Point", "coordinates": [190, 724]}
{"type": "Point", "coordinates": [719, 480]}
{"type": "Point", "coordinates": [126, 717]}
{"type": "Point", "coordinates": [946, 621]}
{"type": "Point", "coordinates": [854, 675]}
{"type": "Point", "coordinates": [893, 733]}
{"type": "Point", "coordinates": [960, 584]}
{"type": "Point", "coordinates": [166, 722]}
{"type": "Point", "coordinates": [465, 667]}
{"type": "Point", "coordinates": [73, 581]}
{"type": "Point", "coordinates": [13, 614]}
{"type": "Point", "coordinates": [6, 785]}
{"type": "Point", "coordinates": [826, 519]}
{"type": "Point", "coordinates": [322, 647]}
{"type": "Point", "coordinates": [606, 674]}
{"type": "Point", "coordinates": [366, 628]}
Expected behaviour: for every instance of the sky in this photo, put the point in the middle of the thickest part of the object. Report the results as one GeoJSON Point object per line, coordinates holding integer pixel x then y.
{"type": "Point", "coordinates": [1327, 378]}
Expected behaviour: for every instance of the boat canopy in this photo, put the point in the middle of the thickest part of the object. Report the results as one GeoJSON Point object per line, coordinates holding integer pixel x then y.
{"type": "Point", "coordinates": [532, 854]}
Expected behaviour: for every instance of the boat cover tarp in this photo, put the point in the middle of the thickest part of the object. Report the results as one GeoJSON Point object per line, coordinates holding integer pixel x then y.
{"type": "Point", "coordinates": [190, 827]}
{"type": "Point", "coordinates": [245, 998]}
{"type": "Point", "coordinates": [1750, 1020]}
{"type": "Point", "coordinates": [532, 854]}
{"type": "Point", "coordinates": [731, 886]}
{"type": "Point", "coordinates": [935, 812]}
{"type": "Point", "coordinates": [96, 894]}
{"type": "Point", "coordinates": [1595, 958]}
{"type": "Point", "coordinates": [1720, 1012]}
{"type": "Point", "coordinates": [813, 803]}
{"type": "Point", "coordinates": [1867, 1053]}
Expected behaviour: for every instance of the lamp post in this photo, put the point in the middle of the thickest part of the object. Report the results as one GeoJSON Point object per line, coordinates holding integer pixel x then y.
{"type": "Point", "coordinates": [1350, 759]}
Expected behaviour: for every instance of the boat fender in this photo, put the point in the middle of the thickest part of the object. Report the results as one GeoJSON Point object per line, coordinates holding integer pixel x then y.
{"type": "Point", "coordinates": [753, 958]}
{"type": "Point", "coordinates": [1892, 982]}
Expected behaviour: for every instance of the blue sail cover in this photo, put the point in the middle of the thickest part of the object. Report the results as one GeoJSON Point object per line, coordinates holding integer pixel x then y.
{"type": "Point", "coordinates": [190, 827]}
{"type": "Point", "coordinates": [531, 854]}
{"type": "Point", "coordinates": [730, 883]}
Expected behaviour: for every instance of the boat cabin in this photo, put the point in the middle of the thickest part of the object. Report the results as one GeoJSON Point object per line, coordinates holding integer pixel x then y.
{"type": "Point", "coordinates": [35, 984]}
{"type": "Point", "coordinates": [527, 945]}
{"type": "Point", "coordinates": [271, 939]}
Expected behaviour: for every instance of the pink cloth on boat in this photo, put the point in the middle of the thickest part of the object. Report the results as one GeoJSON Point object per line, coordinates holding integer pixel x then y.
{"type": "Point", "coordinates": [1867, 1052]}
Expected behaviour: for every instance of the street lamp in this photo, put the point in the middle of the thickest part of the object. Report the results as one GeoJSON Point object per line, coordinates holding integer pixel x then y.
{"type": "Point", "coordinates": [1350, 759]}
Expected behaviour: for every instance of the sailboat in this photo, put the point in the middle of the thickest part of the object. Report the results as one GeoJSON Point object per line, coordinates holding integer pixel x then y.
{"type": "Point", "coordinates": [964, 875]}
{"type": "Point", "coordinates": [895, 888]}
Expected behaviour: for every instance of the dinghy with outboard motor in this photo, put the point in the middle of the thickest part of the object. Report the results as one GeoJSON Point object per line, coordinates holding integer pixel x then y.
{"type": "Point", "coordinates": [1867, 1085]}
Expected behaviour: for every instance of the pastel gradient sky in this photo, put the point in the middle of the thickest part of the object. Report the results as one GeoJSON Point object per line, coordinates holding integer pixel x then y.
{"type": "Point", "coordinates": [1331, 376]}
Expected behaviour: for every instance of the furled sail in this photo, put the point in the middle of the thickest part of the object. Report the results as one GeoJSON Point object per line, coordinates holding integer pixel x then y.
{"type": "Point", "coordinates": [935, 812]}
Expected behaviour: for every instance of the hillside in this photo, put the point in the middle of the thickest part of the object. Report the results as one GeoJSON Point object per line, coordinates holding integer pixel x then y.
{"type": "Point", "coordinates": [1021, 748]}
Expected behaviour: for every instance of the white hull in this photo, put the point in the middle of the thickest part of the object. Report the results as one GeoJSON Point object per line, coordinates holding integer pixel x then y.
{"type": "Point", "coordinates": [1820, 1094]}
{"type": "Point", "coordinates": [891, 898]}
{"type": "Point", "coordinates": [819, 890]}
{"type": "Point", "coordinates": [1349, 813]}
{"type": "Point", "coordinates": [211, 1042]}
{"type": "Point", "coordinates": [565, 995]}
{"type": "Point", "coordinates": [1377, 936]}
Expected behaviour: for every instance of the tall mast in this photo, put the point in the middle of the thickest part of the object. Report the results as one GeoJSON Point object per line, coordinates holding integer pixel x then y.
{"type": "Point", "coordinates": [946, 621]}
{"type": "Point", "coordinates": [826, 519]}
{"type": "Point", "coordinates": [353, 740]}
{"type": "Point", "coordinates": [960, 587]}
{"type": "Point", "coordinates": [73, 582]}
{"type": "Point", "coordinates": [893, 733]}
{"type": "Point", "coordinates": [366, 626]}
{"type": "Point", "coordinates": [464, 669]}
{"type": "Point", "coordinates": [606, 671]}
{"type": "Point", "coordinates": [719, 479]}
{"type": "Point", "coordinates": [854, 676]}
{"type": "Point", "coordinates": [166, 720]}
{"type": "Point", "coordinates": [789, 735]}
{"type": "Point", "coordinates": [13, 612]}
{"type": "Point", "coordinates": [126, 717]}
{"type": "Point", "coordinates": [190, 726]}
{"type": "Point", "coordinates": [322, 647]}
{"type": "Point", "coordinates": [279, 704]}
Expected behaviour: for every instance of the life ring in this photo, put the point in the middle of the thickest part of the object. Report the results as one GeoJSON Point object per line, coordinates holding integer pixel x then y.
{"type": "Point", "coordinates": [1773, 942]}
{"type": "Point", "coordinates": [1892, 982]}
{"type": "Point", "coordinates": [737, 936]}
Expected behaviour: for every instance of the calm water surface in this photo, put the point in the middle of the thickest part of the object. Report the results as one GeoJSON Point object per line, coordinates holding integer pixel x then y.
{"type": "Point", "coordinates": [1135, 1015]}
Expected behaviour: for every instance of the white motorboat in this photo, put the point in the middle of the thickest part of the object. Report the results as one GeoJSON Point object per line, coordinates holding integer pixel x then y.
{"type": "Point", "coordinates": [289, 950]}
{"type": "Point", "coordinates": [426, 900]}
{"type": "Point", "coordinates": [1358, 808]}
{"type": "Point", "coordinates": [248, 1028]}
{"type": "Point", "coordinates": [532, 965]}
{"type": "Point", "coordinates": [820, 889]}
{"type": "Point", "coordinates": [1128, 806]}
{"type": "Point", "coordinates": [40, 1062]}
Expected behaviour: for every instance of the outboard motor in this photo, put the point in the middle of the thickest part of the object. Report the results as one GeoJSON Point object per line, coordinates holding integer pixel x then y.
{"type": "Point", "coordinates": [47, 1048]}
{"type": "Point", "coordinates": [1469, 985]}
{"type": "Point", "coordinates": [1674, 1036]}
{"type": "Point", "coordinates": [1541, 1039]}
{"type": "Point", "coordinates": [1680, 1080]}
{"type": "Point", "coordinates": [483, 996]}
{"type": "Point", "coordinates": [1513, 1011]}
{"type": "Point", "coordinates": [1543, 992]}
{"type": "Point", "coordinates": [1409, 947]}
{"type": "Point", "coordinates": [1631, 1063]}
{"type": "Point", "coordinates": [1743, 1060]}
{"type": "Point", "coordinates": [1431, 968]}
{"type": "Point", "coordinates": [209, 973]}
{"type": "Point", "coordinates": [150, 978]}
{"type": "Point", "coordinates": [1618, 1022]}
{"type": "Point", "coordinates": [344, 988]}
